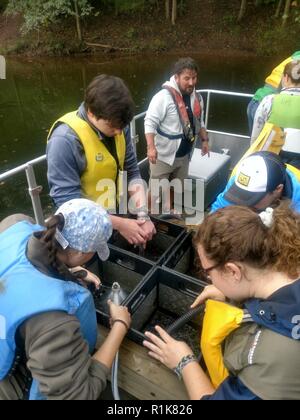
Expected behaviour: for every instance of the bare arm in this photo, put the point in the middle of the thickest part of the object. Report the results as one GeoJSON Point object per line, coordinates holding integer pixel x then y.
{"type": "Point", "coordinates": [204, 140]}
{"type": "Point", "coordinates": [151, 149]}
{"type": "Point", "coordinates": [196, 381]}
{"type": "Point", "coordinates": [107, 352]}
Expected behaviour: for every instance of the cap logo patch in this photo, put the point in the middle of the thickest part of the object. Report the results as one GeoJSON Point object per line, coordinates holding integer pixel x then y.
{"type": "Point", "coordinates": [244, 179]}
{"type": "Point", "coordinates": [99, 157]}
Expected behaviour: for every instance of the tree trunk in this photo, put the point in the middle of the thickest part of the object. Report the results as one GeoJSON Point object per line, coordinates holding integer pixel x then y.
{"type": "Point", "coordinates": [78, 24]}
{"type": "Point", "coordinates": [279, 6]}
{"type": "Point", "coordinates": [167, 5]}
{"type": "Point", "coordinates": [286, 12]}
{"type": "Point", "coordinates": [174, 11]}
{"type": "Point", "coordinates": [2, 67]}
{"type": "Point", "coordinates": [242, 10]}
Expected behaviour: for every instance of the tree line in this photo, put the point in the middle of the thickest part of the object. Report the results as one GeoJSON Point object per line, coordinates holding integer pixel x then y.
{"type": "Point", "coordinates": [39, 14]}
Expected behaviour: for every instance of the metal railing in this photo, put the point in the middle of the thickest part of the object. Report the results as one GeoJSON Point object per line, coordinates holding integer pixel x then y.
{"type": "Point", "coordinates": [209, 92]}
{"type": "Point", "coordinates": [34, 190]}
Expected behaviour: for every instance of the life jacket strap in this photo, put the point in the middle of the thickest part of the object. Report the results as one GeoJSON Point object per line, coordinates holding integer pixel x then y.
{"type": "Point", "coordinates": [169, 136]}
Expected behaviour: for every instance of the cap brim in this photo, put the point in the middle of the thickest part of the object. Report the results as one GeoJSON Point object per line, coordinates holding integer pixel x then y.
{"type": "Point", "coordinates": [241, 197]}
{"type": "Point", "coordinates": [103, 252]}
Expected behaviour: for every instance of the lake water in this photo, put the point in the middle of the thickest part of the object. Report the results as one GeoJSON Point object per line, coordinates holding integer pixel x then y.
{"type": "Point", "coordinates": [37, 92]}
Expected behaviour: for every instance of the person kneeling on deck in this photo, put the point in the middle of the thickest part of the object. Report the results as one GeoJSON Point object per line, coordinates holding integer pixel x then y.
{"type": "Point", "coordinates": [283, 110]}
{"type": "Point", "coordinates": [262, 180]}
{"type": "Point", "coordinates": [89, 152]}
{"type": "Point", "coordinates": [48, 326]}
{"type": "Point", "coordinates": [251, 351]}
{"type": "Point", "coordinates": [173, 123]}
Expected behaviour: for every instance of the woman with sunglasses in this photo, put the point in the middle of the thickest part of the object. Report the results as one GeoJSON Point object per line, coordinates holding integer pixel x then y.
{"type": "Point", "coordinates": [251, 330]}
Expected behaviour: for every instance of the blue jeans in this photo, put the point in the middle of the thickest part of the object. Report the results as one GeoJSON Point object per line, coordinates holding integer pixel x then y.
{"type": "Point", "coordinates": [251, 110]}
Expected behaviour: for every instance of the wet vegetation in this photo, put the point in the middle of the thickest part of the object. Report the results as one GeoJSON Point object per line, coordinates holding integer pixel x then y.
{"type": "Point", "coordinates": [64, 27]}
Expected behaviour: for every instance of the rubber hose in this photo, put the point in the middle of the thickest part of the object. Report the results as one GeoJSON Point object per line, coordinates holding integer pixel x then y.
{"type": "Point", "coordinates": [185, 319]}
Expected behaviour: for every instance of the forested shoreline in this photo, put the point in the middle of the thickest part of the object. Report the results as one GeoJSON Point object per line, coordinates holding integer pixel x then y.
{"type": "Point", "coordinates": [63, 27]}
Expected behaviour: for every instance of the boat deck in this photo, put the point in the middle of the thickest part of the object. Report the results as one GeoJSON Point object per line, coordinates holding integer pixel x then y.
{"type": "Point", "coordinates": [143, 377]}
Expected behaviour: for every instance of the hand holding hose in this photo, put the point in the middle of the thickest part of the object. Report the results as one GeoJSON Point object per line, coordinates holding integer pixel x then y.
{"type": "Point", "coordinates": [119, 313]}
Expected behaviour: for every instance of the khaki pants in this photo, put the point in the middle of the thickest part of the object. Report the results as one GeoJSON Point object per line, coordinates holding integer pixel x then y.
{"type": "Point", "coordinates": [162, 170]}
{"type": "Point", "coordinates": [179, 170]}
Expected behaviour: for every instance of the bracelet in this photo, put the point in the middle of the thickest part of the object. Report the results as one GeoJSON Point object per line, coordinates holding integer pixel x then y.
{"type": "Point", "coordinates": [183, 363]}
{"type": "Point", "coordinates": [121, 321]}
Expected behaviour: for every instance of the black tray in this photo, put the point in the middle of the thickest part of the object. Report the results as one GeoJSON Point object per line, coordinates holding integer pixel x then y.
{"type": "Point", "coordinates": [158, 250]}
{"type": "Point", "coordinates": [121, 267]}
{"type": "Point", "coordinates": [164, 297]}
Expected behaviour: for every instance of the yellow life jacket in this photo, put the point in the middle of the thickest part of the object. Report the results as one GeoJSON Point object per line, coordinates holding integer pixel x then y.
{"type": "Point", "coordinates": [98, 181]}
{"type": "Point", "coordinates": [274, 79]}
{"type": "Point", "coordinates": [271, 139]}
{"type": "Point", "coordinates": [219, 321]}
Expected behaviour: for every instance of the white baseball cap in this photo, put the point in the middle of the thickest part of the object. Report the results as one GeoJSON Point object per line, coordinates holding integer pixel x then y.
{"type": "Point", "coordinates": [257, 175]}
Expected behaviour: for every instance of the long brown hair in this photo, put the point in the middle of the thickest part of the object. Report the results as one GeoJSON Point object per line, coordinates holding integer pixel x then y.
{"type": "Point", "coordinates": [237, 234]}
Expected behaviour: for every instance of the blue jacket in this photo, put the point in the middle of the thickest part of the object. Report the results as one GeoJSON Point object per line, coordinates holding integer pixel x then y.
{"type": "Point", "coordinates": [279, 313]}
{"type": "Point", "coordinates": [28, 292]}
{"type": "Point", "coordinates": [291, 191]}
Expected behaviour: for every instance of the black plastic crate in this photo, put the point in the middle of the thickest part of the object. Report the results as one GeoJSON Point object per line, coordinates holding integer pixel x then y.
{"type": "Point", "coordinates": [158, 250]}
{"type": "Point", "coordinates": [163, 298]}
{"type": "Point", "coordinates": [185, 259]}
{"type": "Point", "coordinates": [121, 267]}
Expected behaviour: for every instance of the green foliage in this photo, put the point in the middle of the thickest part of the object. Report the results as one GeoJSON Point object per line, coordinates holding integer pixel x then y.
{"type": "Point", "coordinates": [131, 33]}
{"type": "Point", "coordinates": [158, 45]}
{"type": "Point", "coordinates": [42, 13]}
{"type": "Point", "coordinates": [18, 47]}
{"type": "Point", "coordinates": [269, 1]}
{"type": "Point", "coordinates": [267, 40]}
{"type": "Point", "coordinates": [127, 6]}
{"type": "Point", "coordinates": [3, 5]}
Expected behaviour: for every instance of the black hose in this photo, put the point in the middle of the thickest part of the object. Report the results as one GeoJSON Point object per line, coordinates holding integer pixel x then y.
{"type": "Point", "coordinates": [184, 319]}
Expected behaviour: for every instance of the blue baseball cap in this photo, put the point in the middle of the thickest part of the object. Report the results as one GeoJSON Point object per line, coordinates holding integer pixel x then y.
{"type": "Point", "coordinates": [87, 227]}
